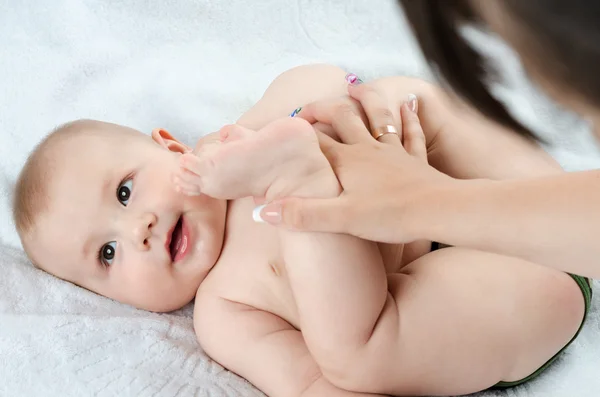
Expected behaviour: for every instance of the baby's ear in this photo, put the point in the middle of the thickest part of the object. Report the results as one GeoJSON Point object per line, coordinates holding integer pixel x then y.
{"type": "Point", "coordinates": [166, 140]}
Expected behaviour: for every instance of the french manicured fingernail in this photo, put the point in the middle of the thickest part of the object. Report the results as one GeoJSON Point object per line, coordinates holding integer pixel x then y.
{"type": "Point", "coordinates": [296, 111]}
{"type": "Point", "coordinates": [353, 79]}
{"type": "Point", "coordinates": [412, 103]}
{"type": "Point", "coordinates": [267, 213]}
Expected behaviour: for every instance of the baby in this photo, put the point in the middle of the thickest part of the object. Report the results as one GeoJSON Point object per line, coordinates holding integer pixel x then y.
{"type": "Point", "coordinates": [297, 314]}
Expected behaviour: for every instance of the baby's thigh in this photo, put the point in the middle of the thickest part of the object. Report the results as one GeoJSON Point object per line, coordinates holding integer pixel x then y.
{"type": "Point", "coordinates": [529, 312]}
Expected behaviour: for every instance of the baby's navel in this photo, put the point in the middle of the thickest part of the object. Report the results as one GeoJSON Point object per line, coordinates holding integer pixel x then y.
{"type": "Point", "coordinates": [274, 268]}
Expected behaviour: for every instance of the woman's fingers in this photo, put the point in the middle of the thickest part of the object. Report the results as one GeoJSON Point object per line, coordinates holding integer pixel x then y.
{"type": "Point", "coordinates": [384, 125]}
{"type": "Point", "coordinates": [325, 129]}
{"type": "Point", "coordinates": [344, 115]}
{"type": "Point", "coordinates": [330, 148]}
{"type": "Point", "coordinates": [323, 215]}
{"type": "Point", "coordinates": [414, 138]}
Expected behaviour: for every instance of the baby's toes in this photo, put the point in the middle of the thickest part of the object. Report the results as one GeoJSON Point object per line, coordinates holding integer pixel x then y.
{"type": "Point", "coordinates": [200, 164]}
{"type": "Point", "coordinates": [185, 184]}
{"type": "Point", "coordinates": [189, 177]}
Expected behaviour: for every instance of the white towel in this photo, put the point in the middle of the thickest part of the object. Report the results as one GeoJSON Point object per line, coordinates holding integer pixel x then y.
{"type": "Point", "coordinates": [189, 66]}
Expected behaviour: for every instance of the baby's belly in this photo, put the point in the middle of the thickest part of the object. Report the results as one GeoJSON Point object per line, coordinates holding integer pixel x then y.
{"type": "Point", "coordinates": [273, 277]}
{"type": "Point", "coordinates": [283, 303]}
{"type": "Point", "coordinates": [266, 287]}
{"type": "Point", "coordinates": [252, 270]}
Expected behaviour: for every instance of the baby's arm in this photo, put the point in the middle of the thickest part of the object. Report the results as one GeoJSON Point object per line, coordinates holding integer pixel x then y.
{"type": "Point", "coordinates": [262, 348]}
{"type": "Point", "coordinates": [340, 286]}
{"type": "Point", "coordinates": [339, 281]}
{"type": "Point", "coordinates": [426, 321]}
{"type": "Point", "coordinates": [419, 332]}
{"type": "Point", "coordinates": [293, 89]}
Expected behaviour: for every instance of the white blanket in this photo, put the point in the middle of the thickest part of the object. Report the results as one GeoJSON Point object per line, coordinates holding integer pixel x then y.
{"type": "Point", "coordinates": [189, 66]}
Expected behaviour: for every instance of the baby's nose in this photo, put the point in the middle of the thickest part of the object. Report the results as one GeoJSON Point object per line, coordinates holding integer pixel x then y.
{"type": "Point", "coordinates": [142, 230]}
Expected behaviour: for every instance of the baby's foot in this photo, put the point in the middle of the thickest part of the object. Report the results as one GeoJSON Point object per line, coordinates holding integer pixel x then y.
{"type": "Point", "coordinates": [281, 159]}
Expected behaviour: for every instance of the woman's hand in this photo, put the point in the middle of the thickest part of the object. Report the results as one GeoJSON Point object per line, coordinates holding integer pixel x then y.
{"type": "Point", "coordinates": [387, 185]}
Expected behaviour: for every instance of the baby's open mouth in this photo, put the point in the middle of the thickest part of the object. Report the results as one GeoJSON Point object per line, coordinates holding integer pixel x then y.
{"type": "Point", "coordinates": [176, 238]}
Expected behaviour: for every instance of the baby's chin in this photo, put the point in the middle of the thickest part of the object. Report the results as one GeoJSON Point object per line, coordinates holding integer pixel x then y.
{"type": "Point", "coordinates": [162, 296]}
{"type": "Point", "coordinates": [163, 304]}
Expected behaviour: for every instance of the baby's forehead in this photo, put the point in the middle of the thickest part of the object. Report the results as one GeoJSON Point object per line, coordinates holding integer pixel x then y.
{"type": "Point", "coordinates": [90, 139]}
{"type": "Point", "coordinates": [72, 212]}
{"type": "Point", "coordinates": [56, 242]}
{"type": "Point", "coordinates": [78, 168]}
{"type": "Point", "coordinates": [70, 167]}
{"type": "Point", "coordinates": [95, 147]}
{"type": "Point", "coordinates": [76, 157]}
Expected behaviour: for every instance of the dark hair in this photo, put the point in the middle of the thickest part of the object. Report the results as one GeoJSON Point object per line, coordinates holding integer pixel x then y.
{"type": "Point", "coordinates": [563, 35]}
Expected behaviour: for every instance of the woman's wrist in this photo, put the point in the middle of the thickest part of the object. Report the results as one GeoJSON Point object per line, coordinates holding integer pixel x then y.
{"type": "Point", "coordinates": [440, 213]}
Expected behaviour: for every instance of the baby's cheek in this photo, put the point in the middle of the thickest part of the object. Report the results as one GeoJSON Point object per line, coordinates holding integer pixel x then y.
{"type": "Point", "coordinates": [151, 289]}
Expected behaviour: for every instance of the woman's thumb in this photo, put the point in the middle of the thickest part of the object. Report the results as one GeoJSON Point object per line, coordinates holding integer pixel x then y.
{"type": "Point", "coordinates": [303, 214]}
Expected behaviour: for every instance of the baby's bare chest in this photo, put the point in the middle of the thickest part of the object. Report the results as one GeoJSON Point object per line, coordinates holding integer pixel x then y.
{"type": "Point", "coordinates": [252, 269]}
{"type": "Point", "coordinates": [256, 275]}
{"type": "Point", "coordinates": [260, 279]}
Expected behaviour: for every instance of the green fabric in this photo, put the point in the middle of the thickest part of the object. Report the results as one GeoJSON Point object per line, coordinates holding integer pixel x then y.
{"type": "Point", "coordinates": [586, 288]}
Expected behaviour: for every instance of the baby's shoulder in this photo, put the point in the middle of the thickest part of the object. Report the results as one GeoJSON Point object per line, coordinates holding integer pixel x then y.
{"type": "Point", "coordinates": [209, 309]}
{"type": "Point", "coordinates": [214, 298]}
{"type": "Point", "coordinates": [219, 322]}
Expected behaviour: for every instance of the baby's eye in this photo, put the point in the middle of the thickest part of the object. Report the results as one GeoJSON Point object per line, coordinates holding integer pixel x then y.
{"type": "Point", "coordinates": [107, 253]}
{"type": "Point", "coordinates": [124, 191]}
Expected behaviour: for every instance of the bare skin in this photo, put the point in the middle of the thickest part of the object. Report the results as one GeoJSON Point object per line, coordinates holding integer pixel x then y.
{"type": "Point", "coordinates": [297, 314]}
{"type": "Point", "coordinates": [323, 313]}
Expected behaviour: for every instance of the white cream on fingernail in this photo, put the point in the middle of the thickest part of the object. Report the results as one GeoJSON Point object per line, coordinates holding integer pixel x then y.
{"type": "Point", "coordinates": [256, 214]}
{"type": "Point", "coordinates": [412, 102]}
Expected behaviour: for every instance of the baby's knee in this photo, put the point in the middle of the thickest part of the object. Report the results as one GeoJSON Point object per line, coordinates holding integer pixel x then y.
{"type": "Point", "coordinates": [567, 302]}
{"type": "Point", "coordinates": [291, 125]}
{"type": "Point", "coordinates": [560, 313]}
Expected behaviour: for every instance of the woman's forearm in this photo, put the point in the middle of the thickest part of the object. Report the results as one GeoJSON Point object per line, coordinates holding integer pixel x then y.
{"type": "Point", "coordinates": [554, 220]}
{"type": "Point", "coordinates": [466, 145]}
{"type": "Point", "coordinates": [467, 149]}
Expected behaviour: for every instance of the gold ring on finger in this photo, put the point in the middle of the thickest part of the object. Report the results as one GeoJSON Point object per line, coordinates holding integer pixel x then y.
{"type": "Point", "coordinates": [385, 130]}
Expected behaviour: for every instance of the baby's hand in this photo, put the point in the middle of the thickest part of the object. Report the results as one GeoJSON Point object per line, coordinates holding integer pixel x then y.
{"type": "Point", "coordinates": [280, 159]}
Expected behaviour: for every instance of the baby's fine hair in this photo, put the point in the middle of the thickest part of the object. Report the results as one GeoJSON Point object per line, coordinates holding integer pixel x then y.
{"type": "Point", "coordinates": [31, 189]}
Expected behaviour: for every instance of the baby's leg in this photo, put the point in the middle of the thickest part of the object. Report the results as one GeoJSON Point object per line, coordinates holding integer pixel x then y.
{"type": "Point", "coordinates": [468, 320]}
{"type": "Point", "coordinates": [281, 159]}
{"type": "Point", "coordinates": [338, 281]}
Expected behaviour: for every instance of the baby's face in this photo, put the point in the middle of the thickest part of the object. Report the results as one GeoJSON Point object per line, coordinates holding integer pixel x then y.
{"type": "Point", "coordinates": [116, 226]}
